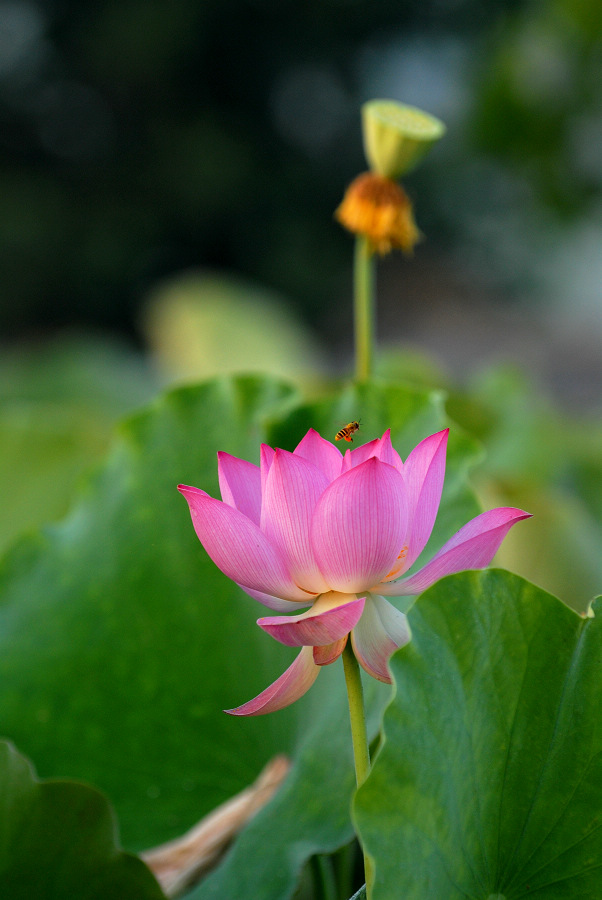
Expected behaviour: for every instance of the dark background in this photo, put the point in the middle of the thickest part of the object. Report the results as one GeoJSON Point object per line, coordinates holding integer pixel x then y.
{"type": "Point", "coordinates": [139, 139]}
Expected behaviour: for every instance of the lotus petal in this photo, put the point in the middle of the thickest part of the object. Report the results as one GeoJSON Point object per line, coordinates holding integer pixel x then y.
{"type": "Point", "coordinates": [472, 547]}
{"type": "Point", "coordinates": [360, 454]}
{"type": "Point", "coordinates": [324, 455]}
{"type": "Point", "coordinates": [424, 471]}
{"type": "Point", "coordinates": [329, 653]}
{"type": "Point", "coordinates": [266, 456]}
{"type": "Point", "coordinates": [381, 630]}
{"type": "Point", "coordinates": [291, 685]}
{"type": "Point", "coordinates": [331, 618]}
{"type": "Point", "coordinates": [239, 548]}
{"type": "Point", "coordinates": [292, 490]}
{"type": "Point", "coordinates": [385, 452]}
{"type": "Point", "coordinates": [240, 485]}
{"type": "Point", "coordinates": [359, 526]}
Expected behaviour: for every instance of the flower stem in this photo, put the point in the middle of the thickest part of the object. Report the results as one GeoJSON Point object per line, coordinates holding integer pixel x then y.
{"type": "Point", "coordinates": [364, 293]}
{"type": "Point", "coordinates": [324, 883]}
{"type": "Point", "coordinates": [359, 735]}
{"type": "Point", "coordinates": [355, 695]}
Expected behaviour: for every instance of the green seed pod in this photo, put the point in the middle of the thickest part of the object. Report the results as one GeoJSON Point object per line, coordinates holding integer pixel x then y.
{"type": "Point", "coordinates": [396, 137]}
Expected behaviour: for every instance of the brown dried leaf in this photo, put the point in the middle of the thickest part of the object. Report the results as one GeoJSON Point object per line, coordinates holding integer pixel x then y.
{"type": "Point", "coordinates": [182, 862]}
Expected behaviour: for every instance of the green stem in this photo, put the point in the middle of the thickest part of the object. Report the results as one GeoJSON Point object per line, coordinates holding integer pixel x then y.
{"type": "Point", "coordinates": [355, 695]}
{"type": "Point", "coordinates": [359, 735]}
{"type": "Point", "coordinates": [324, 883]}
{"type": "Point", "coordinates": [364, 306]}
{"type": "Point", "coordinates": [344, 862]}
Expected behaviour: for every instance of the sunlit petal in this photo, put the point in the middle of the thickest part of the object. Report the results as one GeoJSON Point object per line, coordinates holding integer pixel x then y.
{"type": "Point", "coordinates": [381, 448]}
{"type": "Point", "coordinates": [238, 547]}
{"type": "Point", "coordinates": [331, 617]}
{"type": "Point", "coordinates": [360, 454]}
{"type": "Point", "coordinates": [324, 455]}
{"type": "Point", "coordinates": [292, 490]}
{"type": "Point", "coordinates": [381, 630]}
{"type": "Point", "coordinates": [424, 471]}
{"type": "Point", "coordinates": [266, 456]}
{"type": "Point", "coordinates": [384, 449]}
{"type": "Point", "coordinates": [291, 685]}
{"type": "Point", "coordinates": [472, 547]}
{"type": "Point", "coordinates": [359, 526]}
{"type": "Point", "coordinates": [240, 485]}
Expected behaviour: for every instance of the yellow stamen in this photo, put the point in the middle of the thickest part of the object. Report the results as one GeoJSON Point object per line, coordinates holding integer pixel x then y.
{"type": "Point", "coordinates": [402, 555]}
{"type": "Point", "coordinates": [379, 208]}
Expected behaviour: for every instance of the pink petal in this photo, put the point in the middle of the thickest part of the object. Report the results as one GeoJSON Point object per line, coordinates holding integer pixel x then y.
{"type": "Point", "coordinates": [295, 682]}
{"type": "Point", "coordinates": [292, 490]}
{"type": "Point", "coordinates": [275, 602]}
{"type": "Point", "coordinates": [329, 653]}
{"type": "Point", "coordinates": [384, 449]}
{"type": "Point", "coordinates": [359, 455]}
{"type": "Point", "coordinates": [381, 448]}
{"type": "Point", "coordinates": [240, 485]}
{"type": "Point", "coordinates": [239, 548]}
{"type": "Point", "coordinates": [324, 455]}
{"type": "Point", "coordinates": [359, 526]}
{"type": "Point", "coordinates": [266, 456]}
{"type": "Point", "coordinates": [424, 471]}
{"type": "Point", "coordinates": [397, 460]}
{"type": "Point", "coordinates": [381, 630]}
{"type": "Point", "coordinates": [346, 462]}
{"type": "Point", "coordinates": [472, 547]}
{"type": "Point", "coordinates": [332, 616]}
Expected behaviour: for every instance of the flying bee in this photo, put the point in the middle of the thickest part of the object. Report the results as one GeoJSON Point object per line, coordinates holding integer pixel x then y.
{"type": "Point", "coordinates": [346, 432]}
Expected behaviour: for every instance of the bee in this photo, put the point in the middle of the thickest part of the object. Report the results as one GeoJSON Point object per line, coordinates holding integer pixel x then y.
{"type": "Point", "coordinates": [346, 432]}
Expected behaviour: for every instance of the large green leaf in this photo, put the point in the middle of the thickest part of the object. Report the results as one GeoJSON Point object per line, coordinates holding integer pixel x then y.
{"type": "Point", "coordinates": [58, 840]}
{"type": "Point", "coordinates": [59, 402]}
{"type": "Point", "coordinates": [489, 783]}
{"type": "Point", "coordinates": [121, 643]}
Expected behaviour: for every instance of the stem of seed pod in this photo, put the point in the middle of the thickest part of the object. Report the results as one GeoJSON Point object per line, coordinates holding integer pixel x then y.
{"type": "Point", "coordinates": [359, 736]}
{"type": "Point", "coordinates": [364, 305]}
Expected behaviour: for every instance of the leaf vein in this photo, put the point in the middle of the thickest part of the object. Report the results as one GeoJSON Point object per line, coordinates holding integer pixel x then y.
{"type": "Point", "coordinates": [553, 740]}
{"type": "Point", "coordinates": [566, 849]}
{"type": "Point", "coordinates": [543, 887]}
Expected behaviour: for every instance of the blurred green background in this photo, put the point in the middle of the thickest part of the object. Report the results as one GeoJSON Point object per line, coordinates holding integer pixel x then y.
{"type": "Point", "coordinates": [168, 176]}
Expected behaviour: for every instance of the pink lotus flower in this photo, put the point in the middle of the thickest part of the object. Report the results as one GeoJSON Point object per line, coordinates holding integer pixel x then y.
{"type": "Point", "coordinates": [335, 533]}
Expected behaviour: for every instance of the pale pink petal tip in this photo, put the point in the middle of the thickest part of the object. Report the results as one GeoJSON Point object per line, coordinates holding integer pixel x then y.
{"type": "Point", "coordinates": [324, 455]}
{"type": "Point", "coordinates": [185, 489]}
{"type": "Point", "coordinates": [384, 449]}
{"type": "Point", "coordinates": [317, 627]}
{"type": "Point", "coordinates": [291, 685]}
{"type": "Point", "coordinates": [381, 631]}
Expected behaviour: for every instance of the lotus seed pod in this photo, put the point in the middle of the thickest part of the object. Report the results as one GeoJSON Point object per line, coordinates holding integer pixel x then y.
{"type": "Point", "coordinates": [396, 137]}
